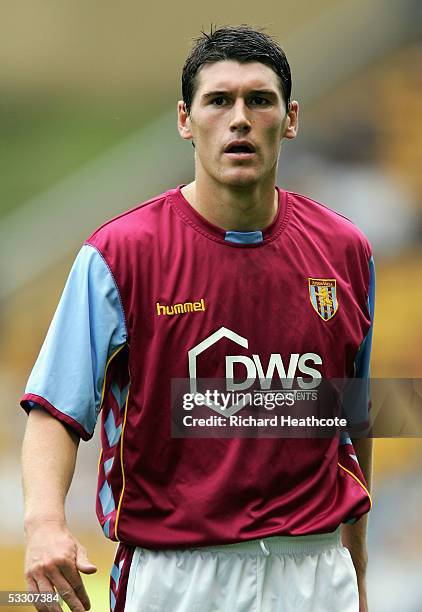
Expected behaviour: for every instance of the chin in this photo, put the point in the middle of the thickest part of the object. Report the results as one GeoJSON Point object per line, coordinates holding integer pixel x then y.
{"type": "Point", "coordinates": [240, 179]}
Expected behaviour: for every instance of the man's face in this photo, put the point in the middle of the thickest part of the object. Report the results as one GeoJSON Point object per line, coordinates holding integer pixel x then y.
{"type": "Point", "coordinates": [237, 121]}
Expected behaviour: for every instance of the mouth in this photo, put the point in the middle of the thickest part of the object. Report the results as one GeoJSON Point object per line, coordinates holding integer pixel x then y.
{"type": "Point", "coordinates": [240, 150]}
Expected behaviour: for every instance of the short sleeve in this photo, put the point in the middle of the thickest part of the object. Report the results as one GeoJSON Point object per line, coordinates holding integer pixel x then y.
{"type": "Point", "coordinates": [363, 356]}
{"type": "Point", "coordinates": [356, 398]}
{"type": "Point", "coordinates": [87, 331]}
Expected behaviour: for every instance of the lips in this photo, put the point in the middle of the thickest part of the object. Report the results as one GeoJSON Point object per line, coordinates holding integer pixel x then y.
{"type": "Point", "coordinates": [240, 147]}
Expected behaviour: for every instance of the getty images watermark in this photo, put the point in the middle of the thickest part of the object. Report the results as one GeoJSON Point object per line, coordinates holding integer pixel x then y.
{"type": "Point", "coordinates": [333, 407]}
{"type": "Point", "coordinates": [210, 408]}
{"type": "Point", "coordinates": [267, 400]}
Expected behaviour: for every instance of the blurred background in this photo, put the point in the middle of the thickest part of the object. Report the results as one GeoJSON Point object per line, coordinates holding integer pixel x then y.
{"type": "Point", "coordinates": [88, 129]}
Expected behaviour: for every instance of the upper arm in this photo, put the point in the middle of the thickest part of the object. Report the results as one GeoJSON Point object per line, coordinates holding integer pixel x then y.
{"type": "Point", "coordinates": [42, 421]}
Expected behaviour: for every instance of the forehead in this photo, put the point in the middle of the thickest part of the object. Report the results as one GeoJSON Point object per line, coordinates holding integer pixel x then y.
{"type": "Point", "coordinates": [231, 75]}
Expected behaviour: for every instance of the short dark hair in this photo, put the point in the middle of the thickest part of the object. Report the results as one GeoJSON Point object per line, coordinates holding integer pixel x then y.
{"type": "Point", "coordinates": [240, 43]}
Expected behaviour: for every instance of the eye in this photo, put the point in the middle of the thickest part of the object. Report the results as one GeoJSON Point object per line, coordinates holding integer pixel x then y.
{"type": "Point", "coordinates": [259, 101]}
{"type": "Point", "coordinates": [219, 101]}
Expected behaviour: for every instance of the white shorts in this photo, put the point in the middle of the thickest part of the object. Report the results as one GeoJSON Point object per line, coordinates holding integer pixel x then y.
{"type": "Point", "coordinates": [278, 574]}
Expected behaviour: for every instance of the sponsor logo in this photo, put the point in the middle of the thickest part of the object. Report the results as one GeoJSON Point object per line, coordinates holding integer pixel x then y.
{"type": "Point", "coordinates": [254, 370]}
{"type": "Point", "coordinates": [323, 296]}
{"type": "Point", "coordinates": [181, 308]}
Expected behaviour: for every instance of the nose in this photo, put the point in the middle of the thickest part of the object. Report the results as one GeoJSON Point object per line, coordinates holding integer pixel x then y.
{"type": "Point", "coordinates": [239, 119]}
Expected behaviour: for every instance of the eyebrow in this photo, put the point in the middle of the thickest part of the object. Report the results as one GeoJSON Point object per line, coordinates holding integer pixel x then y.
{"type": "Point", "coordinates": [224, 92]}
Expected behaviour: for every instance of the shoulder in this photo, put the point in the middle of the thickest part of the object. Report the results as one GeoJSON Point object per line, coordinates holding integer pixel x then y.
{"type": "Point", "coordinates": [134, 224]}
{"type": "Point", "coordinates": [323, 222]}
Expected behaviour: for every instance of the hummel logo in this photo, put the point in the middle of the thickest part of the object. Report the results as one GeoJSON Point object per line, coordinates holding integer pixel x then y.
{"type": "Point", "coordinates": [180, 308]}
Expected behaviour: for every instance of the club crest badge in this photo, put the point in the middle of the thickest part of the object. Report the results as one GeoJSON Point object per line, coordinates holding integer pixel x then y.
{"type": "Point", "coordinates": [323, 295]}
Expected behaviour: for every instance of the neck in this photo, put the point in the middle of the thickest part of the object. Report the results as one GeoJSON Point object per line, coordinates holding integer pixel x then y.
{"type": "Point", "coordinates": [240, 209]}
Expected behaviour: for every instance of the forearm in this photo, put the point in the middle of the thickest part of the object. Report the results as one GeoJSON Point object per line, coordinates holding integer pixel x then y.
{"type": "Point", "coordinates": [48, 463]}
{"type": "Point", "coordinates": [54, 558]}
{"type": "Point", "coordinates": [354, 536]}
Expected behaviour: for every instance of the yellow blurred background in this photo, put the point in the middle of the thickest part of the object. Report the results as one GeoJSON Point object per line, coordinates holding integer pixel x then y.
{"type": "Point", "coordinates": [89, 93]}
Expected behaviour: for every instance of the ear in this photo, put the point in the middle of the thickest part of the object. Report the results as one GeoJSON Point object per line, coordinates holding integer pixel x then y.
{"type": "Point", "coordinates": [292, 120]}
{"type": "Point", "coordinates": [183, 122]}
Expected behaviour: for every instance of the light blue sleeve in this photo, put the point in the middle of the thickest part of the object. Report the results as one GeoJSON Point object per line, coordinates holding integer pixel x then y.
{"type": "Point", "coordinates": [357, 397]}
{"type": "Point", "coordinates": [88, 328]}
{"type": "Point", "coordinates": [363, 356]}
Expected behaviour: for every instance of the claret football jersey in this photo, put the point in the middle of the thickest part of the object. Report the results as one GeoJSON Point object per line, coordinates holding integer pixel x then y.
{"type": "Point", "coordinates": [160, 284]}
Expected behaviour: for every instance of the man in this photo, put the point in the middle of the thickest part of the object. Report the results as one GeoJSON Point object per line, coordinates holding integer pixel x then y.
{"type": "Point", "coordinates": [171, 289]}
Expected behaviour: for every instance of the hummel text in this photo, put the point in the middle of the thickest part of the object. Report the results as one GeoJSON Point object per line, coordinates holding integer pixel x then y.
{"type": "Point", "coordinates": [181, 308]}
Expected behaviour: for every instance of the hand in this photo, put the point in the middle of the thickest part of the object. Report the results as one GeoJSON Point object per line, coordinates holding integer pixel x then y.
{"type": "Point", "coordinates": [53, 560]}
